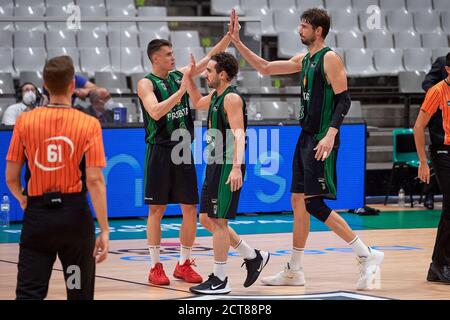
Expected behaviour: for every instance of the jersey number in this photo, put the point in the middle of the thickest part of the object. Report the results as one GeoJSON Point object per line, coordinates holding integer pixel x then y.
{"type": "Point", "coordinates": [54, 153]}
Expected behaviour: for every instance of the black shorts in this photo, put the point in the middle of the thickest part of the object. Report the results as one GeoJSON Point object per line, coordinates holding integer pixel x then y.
{"type": "Point", "coordinates": [67, 232]}
{"type": "Point", "coordinates": [217, 199]}
{"type": "Point", "coordinates": [310, 176]}
{"type": "Point", "coordinates": [166, 182]}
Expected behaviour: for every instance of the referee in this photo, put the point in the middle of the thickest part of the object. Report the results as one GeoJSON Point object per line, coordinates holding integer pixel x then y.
{"type": "Point", "coordinates": [63, 151]}
{"type": "Point", "coordinates": [437, 101]}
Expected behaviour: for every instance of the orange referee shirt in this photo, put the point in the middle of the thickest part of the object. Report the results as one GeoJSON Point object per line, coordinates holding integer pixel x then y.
{"type": "Point", "coordinates": [438, 96]}
{"type": "Point", "coordinates": [58, 143]}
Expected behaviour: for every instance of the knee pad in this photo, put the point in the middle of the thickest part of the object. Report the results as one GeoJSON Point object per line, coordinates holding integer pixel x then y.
{"type": "Point", "coordinates": [317, 208]}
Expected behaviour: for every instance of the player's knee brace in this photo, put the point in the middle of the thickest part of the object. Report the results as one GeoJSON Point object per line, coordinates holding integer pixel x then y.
{"type": "Point", "coordinates": [317, 208]}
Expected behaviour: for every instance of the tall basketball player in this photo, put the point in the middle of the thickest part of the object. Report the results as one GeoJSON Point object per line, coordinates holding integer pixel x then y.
{"type": "Point", "coordinates": [324, 103]}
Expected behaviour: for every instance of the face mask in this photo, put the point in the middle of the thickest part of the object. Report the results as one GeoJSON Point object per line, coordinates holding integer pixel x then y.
{"type": "Point", "coordinates": [29, 98]}
{"type": "Point", "coordinates": [109, 105]}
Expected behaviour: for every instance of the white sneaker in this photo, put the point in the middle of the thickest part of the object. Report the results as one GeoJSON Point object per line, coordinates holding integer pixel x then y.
{"type": "Point", "coordinates": [370, 271]}
{"type": "Point", "coordinates": [288, 277]}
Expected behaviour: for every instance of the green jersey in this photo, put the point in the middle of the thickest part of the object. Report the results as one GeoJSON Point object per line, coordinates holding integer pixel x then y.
{"type": "Point", "coordinates": [179, 117]}
{"type": "Point", "coordinates": [218, 126]}
{"type": "Point", "coordinates": [317, 96]}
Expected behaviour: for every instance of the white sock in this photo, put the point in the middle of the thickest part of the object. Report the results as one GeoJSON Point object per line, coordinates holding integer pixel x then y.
{"type": "Point", "coordinates": [245, 250]}
{"type": "Point", "coordinates": [359, 247]}
{"type": "Point", "coordinates": [219, 269]}
{"type": "Point", "coordinates": [154, 255]}
{"type": "Point", "coordinates": [185, 253]}
{"type": "Point", "coordinates": [296, 258]}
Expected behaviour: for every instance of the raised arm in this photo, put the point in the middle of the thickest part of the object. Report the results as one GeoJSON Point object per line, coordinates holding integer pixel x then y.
{"type": "Point", "coordinates": [264, 67]}
{"type": "Point", "coordinates": [198, 100]}
{"type": "Point", "coordinates": [156, 109]}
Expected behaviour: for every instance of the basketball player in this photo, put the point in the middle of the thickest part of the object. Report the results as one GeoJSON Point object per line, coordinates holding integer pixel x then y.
{"type": "Point", "coordinates": [437, 102]}
{"type": "Point", "coordinates": [324, 104]}
{"type": "Point", "coordinates": [63, 149]}
{"type": "Point", "coordinates": [227, 122]}
{"type": "Point", "coordinates": [165, 106]}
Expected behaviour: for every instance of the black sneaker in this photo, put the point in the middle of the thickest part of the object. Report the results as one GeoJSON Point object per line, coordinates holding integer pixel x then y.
{"type": "Point", "coordinates": [212, 286]}
{"type": "Point", "coordinates": [429, 201]}
{"type": "Point", "coordinates": [439, 274]}
{"type": "Point", "coordinates": [255, 266]}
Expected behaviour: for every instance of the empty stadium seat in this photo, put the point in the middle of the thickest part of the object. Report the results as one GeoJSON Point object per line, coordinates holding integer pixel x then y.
{"type": "Point", "coordinates": [253, 79]}
{"type": "Point", "coordinates": [344, 20]}
{"type": "Point", "coordinates": [63, 51]}
{"type": "Point", "coordinates": [388, 61]}
{"type": "Point", "coordinates": [307, 4]}
{"type": "Point", "coordinates": [182, 55]}
{"type": "Point", "coordinates": [29, 12]}
{"type": "Point", "coordinates": [25, 39]}
{"type": "Point", "coordinates": [286, 20]}
{"type": "Point", "coordinates": [330, 40]}
{"type": "Point", "coordinates": [399, 21]}
{"type": "Point", "coordinates": [94, 59]}
{"type": "Point", "coordinates": [408, 39]}
{"type": "Point", "coordinates": [29, 59]}
{"type": "Point", "coordinates": [146, 37]}
{"type": "Point", "coordinates": [6, 83]}
{"type": "Point", "coordinates": [6, 59]}
{"type": "Point", "coordinates": [6, 38]}
{"type": "Point", "coordinates": [379, 39]}
{"type": "Point", "coordinates": [439, 52]}
{"type": "Point", "coordinates": [251, 4]}
{"type": "Point", "coordinates": [364, 4]}
{"type": "Point", "coordinates": [159, 27]}
{"type": "Point", "coordinates": [6, 10]}
{"type": "Point", "coordinates": [441, 5]}
{"type": "Point", "coordinates": [126, 60]}
{"type": "Point", "coordinates": [434, 40]}
{"type": "Point", "coordinates": [111, 80]}
{"type": "Point", "coordinates": [266, 27]}
{"type": "Point", "coordinates": [350, 39]}
{"type": "Point", "coordinates": [35, 77]}
{"type": "Point", "coordinates": [355, 111]}
{"type": "Point", "coordinates": [274, 110]}
{"type": "Point", "coordinates": [282, 4]}
{"type": "Point", "coordinates": [122, 12]}
{"type": "Point", "coordinates": [29, 3]}
{"type": "Point", "coordinates": [57, 11]}
{"type": "Point", "coordinates": [411, 81]}
{"type": "Point", "coordinates": [93, 11]}
{"type": "Point", "coordinates": [394, 5]}
{"type": "Point", "coordinates": [120, 4]}
{"type": "Point", "coordinates": [135, 77]}
{"type": "Point", "coordinates": [223, 7]}
{"type": "Point", "coordinates": [185, 38]}
{"type": "Point", "coordinates": [419, 5]}
{"type": "Point", "coordinates": [445, 18]}
{"type": "Point", "coordinates": [368, 22]}
{"type": "Point", "coordinates": [91, 39]}
{"type": "Point", "coordinates": [338, 5]}
{"type": "Point", "coordinates": [289, 44]}
{"type": "Point", "coordinates": [93, 3]}
{"type": "Point", "coordinates": [418, 59]}
{"type": "Point", "coordinates": [427, 21]}
{"type": "Point", "coordinates": [61, 38]}
{"type": "Point", "coordinates": [359, 62]}
{"type": "Point", "coordinates": [57, 3]}
{"type": "Point", "coordinates": [122, 39]}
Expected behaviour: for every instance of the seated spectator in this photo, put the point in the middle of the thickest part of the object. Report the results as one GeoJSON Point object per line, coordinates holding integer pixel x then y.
{"type": "Point", "coordinates": [101, 105]}
{"type": "Point", "coordinates": [28, 97]}
{"type": "Point", "coordinates": [82, 88]}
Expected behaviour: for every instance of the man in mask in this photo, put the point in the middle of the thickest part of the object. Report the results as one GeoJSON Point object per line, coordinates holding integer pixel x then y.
{"type": "Point", "coordinates": [101, 105]}
{"type": "Point", "coordinates": [28, 97]}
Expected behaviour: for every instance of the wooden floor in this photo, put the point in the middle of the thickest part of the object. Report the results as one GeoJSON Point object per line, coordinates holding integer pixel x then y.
{"type": "Point", "coordinates": [403, 272]}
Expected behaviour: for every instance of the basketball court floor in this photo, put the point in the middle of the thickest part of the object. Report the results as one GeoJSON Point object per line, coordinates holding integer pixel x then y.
{"type": "Point", "coordinates": [406, 236]}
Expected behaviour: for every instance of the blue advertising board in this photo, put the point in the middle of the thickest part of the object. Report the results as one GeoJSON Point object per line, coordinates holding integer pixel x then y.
{"type": "Point", "coordinates": [266, 184]}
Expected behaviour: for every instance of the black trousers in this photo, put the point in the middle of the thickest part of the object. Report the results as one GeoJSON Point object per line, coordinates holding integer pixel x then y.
{"type": "Point", "coordinates": [67, 232]}
{"type": "Point", "coordinates": [440, 157]}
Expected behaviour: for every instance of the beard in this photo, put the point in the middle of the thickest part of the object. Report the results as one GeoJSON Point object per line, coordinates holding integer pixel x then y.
{"type": "Point", "coordinates": [308, 42]}
{"type": "Point", "coordinates": [213, 84]}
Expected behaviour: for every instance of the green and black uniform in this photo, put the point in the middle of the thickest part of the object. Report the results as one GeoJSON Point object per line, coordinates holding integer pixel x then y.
{"type": "Point", "coordinates": [217, 199]}
{"type": "Point", "coordinates": [165, 181]}
{"type": "Point", "coordinates": [311, 176]}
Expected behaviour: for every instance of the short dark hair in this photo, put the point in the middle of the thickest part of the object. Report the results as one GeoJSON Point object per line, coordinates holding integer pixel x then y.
{"type": "Point", "coordinates": [58, 74]}
{"type": "Point", "coordinates": [317, 18]}
{"type": "Point", "coordinates": [226, 62]}
{"type": "Point", "coordinates": [156, 44]}
{"type": "Point", "coordinates": [447, 60]}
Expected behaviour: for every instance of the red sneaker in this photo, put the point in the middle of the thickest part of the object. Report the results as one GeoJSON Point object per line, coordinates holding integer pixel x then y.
{"type": "Point", "coordinates": [186, 272]}
{"type": "Point", "coordinates": [158, 276]}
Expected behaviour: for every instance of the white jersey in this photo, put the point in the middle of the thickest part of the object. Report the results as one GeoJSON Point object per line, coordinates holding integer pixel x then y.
{"type": "Point", "coordinates": [12, 113]}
